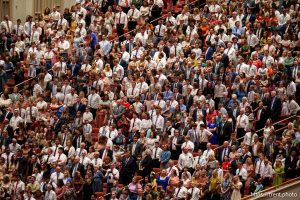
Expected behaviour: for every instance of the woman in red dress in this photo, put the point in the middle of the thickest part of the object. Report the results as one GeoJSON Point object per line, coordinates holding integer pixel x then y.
{"type": "Point", "coordinates": [101, 117]}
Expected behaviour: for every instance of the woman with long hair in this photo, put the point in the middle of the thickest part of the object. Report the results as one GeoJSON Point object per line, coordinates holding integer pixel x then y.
{"type": "Point", "coordinates": [70, 191]}
{"type": "Point", "coordinates": [225, 187]}
{"type": "Point", "coordinates": [236, 187]}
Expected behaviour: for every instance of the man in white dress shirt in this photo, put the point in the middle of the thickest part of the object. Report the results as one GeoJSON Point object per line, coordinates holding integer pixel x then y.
{"type": "Point", "coordinates": [93, 101]}
{"type": "Point", "coordinates": [120, 21]}
{"type": "Point", "coordinates": [158, 120]}
{"type": "Point", "coordinates": [7, 24]}
{"type": "Point", "coordinates": [49, 194]}
{"type": "Point", "coordinates": [133, 16]}
{"type": "Point", "coordinates": [186, 159]}
{"type": "Point", "coordinates": [159, 31]}
{"type": "Point", "coordinates": [194, 191]}
{"type": "Point", "coordinates": [96, 161]}
{"type": "Point", "coordinates": [60, 158]}
{"type": "Point", "coordinates": [242, 123]}
{"type": "Point", "coordinates": [55, 176]}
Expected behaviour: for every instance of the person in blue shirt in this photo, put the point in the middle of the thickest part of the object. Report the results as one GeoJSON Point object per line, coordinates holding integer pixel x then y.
{"type": "Point", "coordinates": [182, 106]}
{"type": "Point", "coordinates": [93, 39]}
{"type": "Point", "coordinates": [168, 93]}
{"type": "Point", "coordinates": [165, 156]}
{"type": "Point", "coordinates": [238, 30]}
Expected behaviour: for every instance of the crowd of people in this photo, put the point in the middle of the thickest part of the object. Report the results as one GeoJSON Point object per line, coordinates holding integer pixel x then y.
{"type": "Point", "coordinates": [144, 100]}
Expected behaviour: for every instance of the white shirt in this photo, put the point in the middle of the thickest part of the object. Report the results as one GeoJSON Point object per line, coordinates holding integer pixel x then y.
{"type": "Point", "coordinates": [133, 15]}
{"type": "Point", "coordinates": [195, 193]}
{"type": "Point", "coordinates": [243, 173]}
{"type": "Point", "coordinates": [34, 113]}
{"type": "Point", "coordinates": [259, 167]}
{"type": "Point", "coordinates": [50, 195]}
{"type": "Point", "coordinates": [97, 162]}
{"type": "Point", "coordinates": [85, 161]}
{"type": "Point", "coordinates": [208, 152]}
{"type": "Point", "coordinates": [267, 171]}
{"type": "Point", "coordinates": [94, 100]}
{"type": "Point", "coordinates": [185, 160]}
{"type": "Point", "coordinates": [135, 123]}
{"type": "Point", "coordinates": [56, 176]}
{"type": "Point", "coordinates": [160, 30]}
{"type": "Point", "coordinates": [70, 99]}
{"type": "Point", "coordinates": [242, 121]}
{"type": "Point", "coordinates": [189, 144]}
{"type": "Point", "coordinates": [158, 121]}
{"type": "Point", "coordinates": [60, 158]}
{"type": "Point", "coordinates": [15, 122]}
{"type": "Point", "coordinates": [180, 192]}
{"type": "Point", "coordinates": [121, 19]}
{"type": "Point", "coordinates": [156, 151]}
{"type": "Point", "coordinates": [252, 40]}
{"type": "Point", "coordinates": [65, 45]}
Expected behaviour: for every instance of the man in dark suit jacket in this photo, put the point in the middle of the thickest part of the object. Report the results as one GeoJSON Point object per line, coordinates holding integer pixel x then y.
{"type": "Point", "coordinates": [275, 107]}
{"type": "Point", "coordinates": [77, 166]}
{"type": "Point", "coordinates": [118, 111]}
{"type": "Point", "coordinates": [7, 114]}
{"type": "Point", "coordinates": [175, 144]}
{"type": "Point", "coordinates": [225, 129]}
{"type": "Point", "coordinates": [176, 84]}
{"type": "Point", "coordinates": [259, 31]}
{"type": "Point", "coordinates": [74, 67]}
{"type": "Point", "coordinates": [189, 99]}
{"type": "Point", "coordinates": [217, 65]}
{"type": "Point", "coordinates": [136, 148]}
{"type": "Point", "coordinates": [290, 165]}
{"type": "Point", "coordinates": [199, 110]}
{"type": "Point", "coordinates": [78, 106]}
{"type": "Point", "coordinates": [224, 151]}
{"type": "Point", "coordinates": [260, 116]}
{"type": "Point", "coordinates": [129, 46]}
{"type": "Point", "coordinates": [224, 58]}
{"type": "Point", "coordinates": [128, 169]}
{"type": "Point", "coordinates": [271, 149]}
{"type": "Point", "coordinates": [209, 51]}
{"type": "Point", "coordinates": [106, 152]}
{"type": "Point", "coordinates": [177, 94]}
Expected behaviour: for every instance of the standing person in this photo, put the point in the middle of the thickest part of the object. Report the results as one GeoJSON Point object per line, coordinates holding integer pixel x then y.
{"type": "Point", "coordinates": [236, 187]}
{"type": "Point", "coordinates": [70, 192]}
{"type": "Point", "coordinates": [97, 180]}
{"type": "Point", "coordinates": [128, 168]}
{"type": "Point", "coordinates": [278, 173]}
{"type": "Point", "coordinates": [226, 187]}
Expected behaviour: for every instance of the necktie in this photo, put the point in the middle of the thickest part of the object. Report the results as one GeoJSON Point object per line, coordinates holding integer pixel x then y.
{"type": "Point", "coordinates": [175, 51]}
{"type": "Point", "coordinates": [55, 150]}
{"type": "Point", "coordinates": [30, 112]}
{"type": "Point", "coordinates": [90, 102]}
{"type": "Point", "coordinates": [178, 192]}
{"type": "Point", "coordinates": [7, 163]}
{"type": "Point", "coordinates": [47, 159]}
{"type": "Point", "coordinates": [259, 167]}
{"type": "Point", "coordinates": [58, 158]}
{"type": "Point", "coordinates": [224, 153]}
{"type": "Point", "coordinates": [155, 153]}
{"type": "Point", "coordinates": [132, 90]}
{"type": "Point", "coordinates": [156, 120]}
{"type": "Point", "coordinates": [57, 176]}
{"type": "Point", "coordinates": [272, 103]}
{"type": "Point", "coordinates": [120, 15]}
{"type": "Point", "coordinates": [17, 32]}
{"type": "Point", "coordinates": [159, 30]}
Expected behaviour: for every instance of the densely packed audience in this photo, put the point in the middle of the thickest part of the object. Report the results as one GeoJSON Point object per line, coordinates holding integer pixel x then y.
{"type": "Point", "coordinates": [157, 99]}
